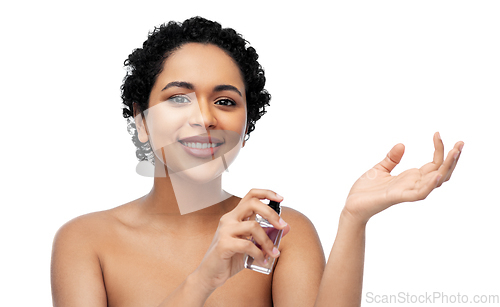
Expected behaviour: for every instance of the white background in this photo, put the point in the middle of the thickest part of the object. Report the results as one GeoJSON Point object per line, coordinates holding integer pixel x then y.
{"type": "Point", "coordinates": [348, 80]}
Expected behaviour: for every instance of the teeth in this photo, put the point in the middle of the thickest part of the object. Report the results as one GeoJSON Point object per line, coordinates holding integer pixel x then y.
{"type": "Point", "coordinates": [201, 145]}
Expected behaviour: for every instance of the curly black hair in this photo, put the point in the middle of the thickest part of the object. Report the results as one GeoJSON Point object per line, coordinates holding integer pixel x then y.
{"type": "Point", "coordinates": [146, 63]}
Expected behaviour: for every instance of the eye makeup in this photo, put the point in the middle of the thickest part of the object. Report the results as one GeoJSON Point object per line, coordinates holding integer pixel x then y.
{"type": "Point", "coordinates": [179, 99]}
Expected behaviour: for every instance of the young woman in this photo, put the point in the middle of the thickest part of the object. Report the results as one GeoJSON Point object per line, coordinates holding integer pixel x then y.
{"type": "Point", "coordinates": [195, 91]}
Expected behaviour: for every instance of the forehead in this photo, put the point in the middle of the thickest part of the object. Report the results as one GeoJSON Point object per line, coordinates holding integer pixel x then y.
{"type": "Point", "coordinates": [202, 65]}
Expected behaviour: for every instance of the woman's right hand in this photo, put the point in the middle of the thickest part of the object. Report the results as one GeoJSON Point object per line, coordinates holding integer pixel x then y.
{"type": "Point", "coordinates": [224, 257]}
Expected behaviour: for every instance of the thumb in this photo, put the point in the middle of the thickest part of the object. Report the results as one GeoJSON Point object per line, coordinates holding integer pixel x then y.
{"type": "Point", "coordinates": [286, 230]}
{"type": "Point", "coordinates": [392, 159]}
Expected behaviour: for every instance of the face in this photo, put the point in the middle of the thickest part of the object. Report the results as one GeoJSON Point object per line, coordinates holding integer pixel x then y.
{"type": "Point", "coordinates": [197, 114]}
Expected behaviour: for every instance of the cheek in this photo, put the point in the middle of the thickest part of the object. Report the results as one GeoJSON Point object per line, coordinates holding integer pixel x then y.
{"type": "Point", "coordinates": [164, 126]}
{"type": "Point", "coordinates": [236, 122]}
{"type": "Point", "coordinates": [244, 119]}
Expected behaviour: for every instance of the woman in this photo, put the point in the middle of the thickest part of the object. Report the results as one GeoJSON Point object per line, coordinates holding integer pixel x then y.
{"type": "Point", "coordinates": [195, 91]}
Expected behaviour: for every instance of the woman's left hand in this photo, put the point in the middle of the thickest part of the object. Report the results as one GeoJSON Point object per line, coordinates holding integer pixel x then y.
{"type": "Point", "coordinates": [376, 190]}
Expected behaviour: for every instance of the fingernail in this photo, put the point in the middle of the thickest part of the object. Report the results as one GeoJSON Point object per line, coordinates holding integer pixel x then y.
{"type": "Point", "coordinates": [279, 196]}
{"type": "Point", "coordinates": [460, 148]}
{"type": "Point", "coordinates": [276, 252]}
{"type": "Point", "coordinates": [282, 222]}
{"type": "Point", "coordinates": [265, 260]}
{"type": "Point", "coordinates": [439, 136]}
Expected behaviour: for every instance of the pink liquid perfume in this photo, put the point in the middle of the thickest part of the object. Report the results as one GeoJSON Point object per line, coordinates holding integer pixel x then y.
{"type": "Point", "coordinates": [273, 234]}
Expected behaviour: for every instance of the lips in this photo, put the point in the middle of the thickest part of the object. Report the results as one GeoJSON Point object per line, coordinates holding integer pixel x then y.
{"type": "Point", "coordinates": [201, 139]}
{"type": "Point", "coordinates": [201, 146]}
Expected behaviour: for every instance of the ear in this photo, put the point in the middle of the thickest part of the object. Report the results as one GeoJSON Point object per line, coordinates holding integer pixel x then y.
{"type": "Point", "coordinates": [244, 137]}
{"type": "Point", "coordinates": [140, 124]}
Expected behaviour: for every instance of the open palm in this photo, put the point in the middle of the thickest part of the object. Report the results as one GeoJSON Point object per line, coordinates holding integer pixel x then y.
{"type": "Point", "coordinates": [377, 189]}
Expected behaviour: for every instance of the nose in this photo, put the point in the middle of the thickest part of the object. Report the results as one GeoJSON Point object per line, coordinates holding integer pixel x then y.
{"type": "Point", "coordinates": [203, 116]}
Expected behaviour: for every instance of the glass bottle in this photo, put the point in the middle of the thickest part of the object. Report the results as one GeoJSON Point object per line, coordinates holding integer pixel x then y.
{"type": "Point", "coordinates": [273, 234]}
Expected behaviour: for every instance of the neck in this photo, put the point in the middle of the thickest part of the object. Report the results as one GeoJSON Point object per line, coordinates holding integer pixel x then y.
{"type": "Point", "coordinates": [174, 195]}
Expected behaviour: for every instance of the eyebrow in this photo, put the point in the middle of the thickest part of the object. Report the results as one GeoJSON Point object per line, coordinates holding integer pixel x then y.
{"type": "Point", "coordinates": [227, 87]}
{"type": "Point", "coordinates": [190, 86]}
{"type": "Point", "coordinates": [187, 85]}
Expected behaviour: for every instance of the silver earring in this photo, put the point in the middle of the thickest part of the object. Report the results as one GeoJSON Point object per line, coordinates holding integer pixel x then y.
{"type": "Point", "coordinates": [150, 156]}
{"type": "Point", "coordinates": [130, 126]}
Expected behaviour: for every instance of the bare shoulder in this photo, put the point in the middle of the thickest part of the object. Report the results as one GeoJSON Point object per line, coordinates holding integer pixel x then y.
{"type": "Point", "coordinates": [76, 267]}
{"type": "Point", "coordinates": [85, 226]}
{"type": "Point", "coordinates": [297, 220]}
{"type": "Point", "coordinates": [302, 230]}
{"type": "Point", "coordinates": [300, 264]}
{"type": "Point", "coordinates": [92, 228]}
{"type": "Point", "coordinates": [291, 215]}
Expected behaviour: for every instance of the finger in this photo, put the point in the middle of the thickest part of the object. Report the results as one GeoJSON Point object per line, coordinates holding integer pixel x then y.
{"type": "Point", "coordinates": [255, 206]}
{"type": "Point", "coordinates": [243, 246]}
{"type": "Point", "coordinates": [423, 188]}
{"type": "Point", "coordinates": [392, 159]}
{"type": "Point", "coordinates": [261, 236]}
{"type": "Point", "coordinates": [437, 160]}
{"type": "Point", "coordinates": [459, 146]}
{"type": "Point", "coordinates": [286, 230]}
{"type": "Point", "coordinates": [446, 166]}
{"type": "Point", "coordinates": [439, 150]}
{"type": "Point", "coordinates": [249, 206]}
{"type": "Point", "coordinates": [263, 194]}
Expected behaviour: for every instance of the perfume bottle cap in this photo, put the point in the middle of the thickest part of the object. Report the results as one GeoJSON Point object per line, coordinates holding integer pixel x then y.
{"type": "Point", "coordinates": [275, 206]}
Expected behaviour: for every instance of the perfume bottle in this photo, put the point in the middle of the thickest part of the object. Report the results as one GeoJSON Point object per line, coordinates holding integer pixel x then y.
{"type": "Point", "coordinates": [273, 234]}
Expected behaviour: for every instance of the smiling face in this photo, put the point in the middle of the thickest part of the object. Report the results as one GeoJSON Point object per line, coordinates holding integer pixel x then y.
{"type": "Point", "coordinates": [197, 112]}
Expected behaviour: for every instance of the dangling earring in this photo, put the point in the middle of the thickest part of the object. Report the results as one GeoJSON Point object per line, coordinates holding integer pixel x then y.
{"type": "Point", "coordinates": [150, 156]}
{"type": "Point", "coordinates": [130, 126]}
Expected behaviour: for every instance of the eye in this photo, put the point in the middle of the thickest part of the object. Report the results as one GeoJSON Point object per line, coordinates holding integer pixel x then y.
{"type": "Point", "coordinates": [179, 99]}
{"type": "Point", "coordinates": [225, 102]}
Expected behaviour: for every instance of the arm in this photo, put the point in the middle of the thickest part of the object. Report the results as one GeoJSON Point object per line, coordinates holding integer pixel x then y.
{"type": "Point", "coordinates": [372, 193]}
{"type": "Point", "coordinates": [343, 276]}
{"type": "Point", "coordinates": [76, 275]}
{"type": "Point", "coordinates": [300, 264]}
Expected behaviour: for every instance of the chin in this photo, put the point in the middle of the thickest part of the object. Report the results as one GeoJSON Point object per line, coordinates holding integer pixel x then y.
{"type": "Point", "coordinates": [201, 174]}
{"type": "Point", "coordinates": [197, 170]}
